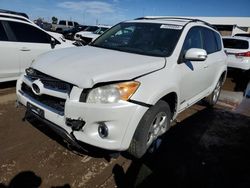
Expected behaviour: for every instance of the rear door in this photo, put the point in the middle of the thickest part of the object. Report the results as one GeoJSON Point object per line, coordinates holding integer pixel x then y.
{"type": "Point", "coordinates": [215, 55]}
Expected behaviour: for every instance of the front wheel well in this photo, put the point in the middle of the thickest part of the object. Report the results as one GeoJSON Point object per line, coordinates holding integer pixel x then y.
{"type": "Point", "coordinates": [171, 99]}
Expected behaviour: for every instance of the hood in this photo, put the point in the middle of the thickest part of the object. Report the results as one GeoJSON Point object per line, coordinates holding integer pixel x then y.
{"type": "Point", "coordinates": [87, 66]}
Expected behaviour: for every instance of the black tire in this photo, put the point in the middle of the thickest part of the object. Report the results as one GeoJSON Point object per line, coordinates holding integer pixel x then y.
{"type": "Point", "coordinates": [212, 99]}
{"type": "Point", "coordinates": [144, 135]}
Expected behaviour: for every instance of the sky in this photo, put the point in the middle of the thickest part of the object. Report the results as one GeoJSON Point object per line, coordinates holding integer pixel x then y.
{"type": "Point", "coordinates": [90, 12]}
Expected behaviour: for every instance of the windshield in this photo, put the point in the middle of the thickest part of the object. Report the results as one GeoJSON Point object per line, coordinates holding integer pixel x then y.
{"type": "Point", "coordinates": [91, 28]}
{"type": "Point", "coordinates": [243, 34]}
{"type": "Point", "coordinates": [141, 38]}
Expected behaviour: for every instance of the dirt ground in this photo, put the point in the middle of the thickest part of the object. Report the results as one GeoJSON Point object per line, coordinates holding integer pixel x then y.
{"type": "Point", "coordinates": [30, 157]}
{"type": "Point", "coordinates": [206, 148]}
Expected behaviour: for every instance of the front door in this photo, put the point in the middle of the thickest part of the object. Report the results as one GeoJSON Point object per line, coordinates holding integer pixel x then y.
{"type": "Point", "coordinates": [30, 42]}
{"type": "Point", "coordinates": [193, 74]}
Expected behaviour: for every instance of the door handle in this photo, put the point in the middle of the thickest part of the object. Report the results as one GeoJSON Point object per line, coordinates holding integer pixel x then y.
{"type": "Point", "coordinates": [25, 49]}
{"type": "Point", "coordinates": [205, 67]}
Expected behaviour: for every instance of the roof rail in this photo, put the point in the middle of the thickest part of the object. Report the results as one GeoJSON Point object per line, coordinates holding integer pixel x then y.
{"type": "Point", "coordinates": [13, 12]}
{"type": "Point", "coordinates": [162, 18]}
{"type": "Point", "coordinates": [175, 18]}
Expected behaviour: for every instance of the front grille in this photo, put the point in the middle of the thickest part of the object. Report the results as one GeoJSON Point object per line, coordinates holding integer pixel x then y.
{"type": "Point", "coordinates": [50, 101]}
{"type": "Point", "coordinates": [50, 82]}
{"type": "Point", "coordinates": [56, 85]}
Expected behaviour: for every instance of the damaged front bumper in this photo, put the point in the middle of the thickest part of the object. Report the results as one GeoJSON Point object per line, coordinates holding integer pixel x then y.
{"type": "Point", "coordinates": [107, 126]}
{"type": "Point", "coordinates": [68, 137]}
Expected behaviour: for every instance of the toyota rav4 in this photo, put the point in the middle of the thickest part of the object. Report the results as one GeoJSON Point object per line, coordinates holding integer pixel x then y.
{"type": "Point", "coordinates": [123, 90]}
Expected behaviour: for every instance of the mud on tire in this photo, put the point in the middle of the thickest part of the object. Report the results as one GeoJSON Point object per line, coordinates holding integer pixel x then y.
{"type": "Point", "coordinates": [212, 99]}
{"type": "Point", "coordinates": [154, 123]}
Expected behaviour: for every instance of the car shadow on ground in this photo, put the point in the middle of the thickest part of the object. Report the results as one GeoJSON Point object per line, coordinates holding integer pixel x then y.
{"type": "Point", "coordinates": [27, 179]}
{"type": "Point", "coordinates": [240, 78]}
{"type": "Point", "coordinates": [209, 149]}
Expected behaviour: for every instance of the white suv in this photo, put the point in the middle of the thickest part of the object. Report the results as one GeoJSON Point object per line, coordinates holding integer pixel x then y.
{"type": "Point", "coordinates": [122, 91]}
{"type": "Point", "coordinates": [238, 51]}
{"type": "Point", "coordinates": [86, 37]}
{"type": "Point", "coordinates": [63, 25]}
{"type": "Point", "coordinates": [20, 42]}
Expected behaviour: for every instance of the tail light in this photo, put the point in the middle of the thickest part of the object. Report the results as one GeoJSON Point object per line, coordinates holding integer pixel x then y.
{"type": "Point", "coordinates": [244, 54]}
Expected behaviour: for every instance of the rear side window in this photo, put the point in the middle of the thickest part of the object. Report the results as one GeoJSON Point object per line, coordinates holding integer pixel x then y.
{"type": "Point", "coordinates": [3, 36]}
{"type": "Point", "coordinates": [243, 34]}
{"type": "Point", "coordinates": [210, 41]}
{"type": "Point", "coordinates": [70, 23]}
{"type": "Point", "coordinates": [235, 44]}
{"type": "Point", "coordinates": [62, 22]}
{"type": "Point", "coordinates": [27, 33]}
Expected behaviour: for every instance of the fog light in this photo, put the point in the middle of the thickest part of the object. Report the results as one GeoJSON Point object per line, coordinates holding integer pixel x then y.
{"type": "Point", "coordinates": [103, 130]}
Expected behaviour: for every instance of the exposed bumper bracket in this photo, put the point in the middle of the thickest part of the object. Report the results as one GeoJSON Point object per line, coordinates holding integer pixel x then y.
{"type": "Point", "coordinates": [69, 138]}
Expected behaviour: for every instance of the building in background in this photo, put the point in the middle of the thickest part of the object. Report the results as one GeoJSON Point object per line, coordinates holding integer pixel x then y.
{"type": "Point", "coordinates": [229, 25]}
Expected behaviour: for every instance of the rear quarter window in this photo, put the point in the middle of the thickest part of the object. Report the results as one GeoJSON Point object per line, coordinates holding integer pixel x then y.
{"type": "Point", "coordinates": [70, 23]}
{"type": "Point", "coordinates": [62, 22]}
{"type": "Point", "coordinates": [235, 44]}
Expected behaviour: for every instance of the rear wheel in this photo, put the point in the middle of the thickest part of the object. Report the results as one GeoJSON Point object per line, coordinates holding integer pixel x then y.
{"type": "Point", "coordinates": [154, 123]}
{"type": "Point", "coordinates": [214, 96]}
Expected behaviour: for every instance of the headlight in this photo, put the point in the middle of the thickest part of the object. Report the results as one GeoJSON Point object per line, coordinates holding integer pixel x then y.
{"type": "Point", "coordinates": [112, 93]}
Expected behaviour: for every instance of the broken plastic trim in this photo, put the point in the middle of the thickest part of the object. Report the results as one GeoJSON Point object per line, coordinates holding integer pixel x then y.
{"type": "Point", "coordinates": [69, 138]}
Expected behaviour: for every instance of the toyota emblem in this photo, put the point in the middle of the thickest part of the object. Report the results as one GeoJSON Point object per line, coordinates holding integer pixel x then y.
{"type": "Point", "coordinates": [36, 88]}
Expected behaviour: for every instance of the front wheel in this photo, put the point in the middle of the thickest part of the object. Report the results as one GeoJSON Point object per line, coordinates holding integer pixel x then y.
{"type": "Point", "coordinates": [154, 123]}
{"type": "Point", "coordinates": [214, 96]}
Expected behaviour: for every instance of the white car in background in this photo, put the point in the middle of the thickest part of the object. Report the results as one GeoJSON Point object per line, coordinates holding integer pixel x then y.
{"type": "Point", "coordinates": [87, 36]}
{"type": "Point", "coordinates": [21, 41]}
{"type": "Point", "coordinates": [89, 29]}
{"type": "Point", "coordinates": [238, 52]}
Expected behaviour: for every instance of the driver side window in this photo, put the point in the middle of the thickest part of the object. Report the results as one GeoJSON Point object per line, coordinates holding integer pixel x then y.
{"type": "Point", "coordinates": [28, 33]}
{"type": "Point", "coordinates": [192, 40]}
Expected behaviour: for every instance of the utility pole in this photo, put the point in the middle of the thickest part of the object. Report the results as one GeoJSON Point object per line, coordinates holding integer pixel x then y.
{"type": "Point", "coordinates": [83, 18]}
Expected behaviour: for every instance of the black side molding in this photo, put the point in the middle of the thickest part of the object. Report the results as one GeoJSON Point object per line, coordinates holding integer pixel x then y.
{"type": "Point", "coordinates": [140, 103]}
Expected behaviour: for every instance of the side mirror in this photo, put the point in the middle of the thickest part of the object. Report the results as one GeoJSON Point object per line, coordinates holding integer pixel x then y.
{"type": "Point", "coordinates": [52, 43]}
{"type": "Point", "coordinates": [196, 54]}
